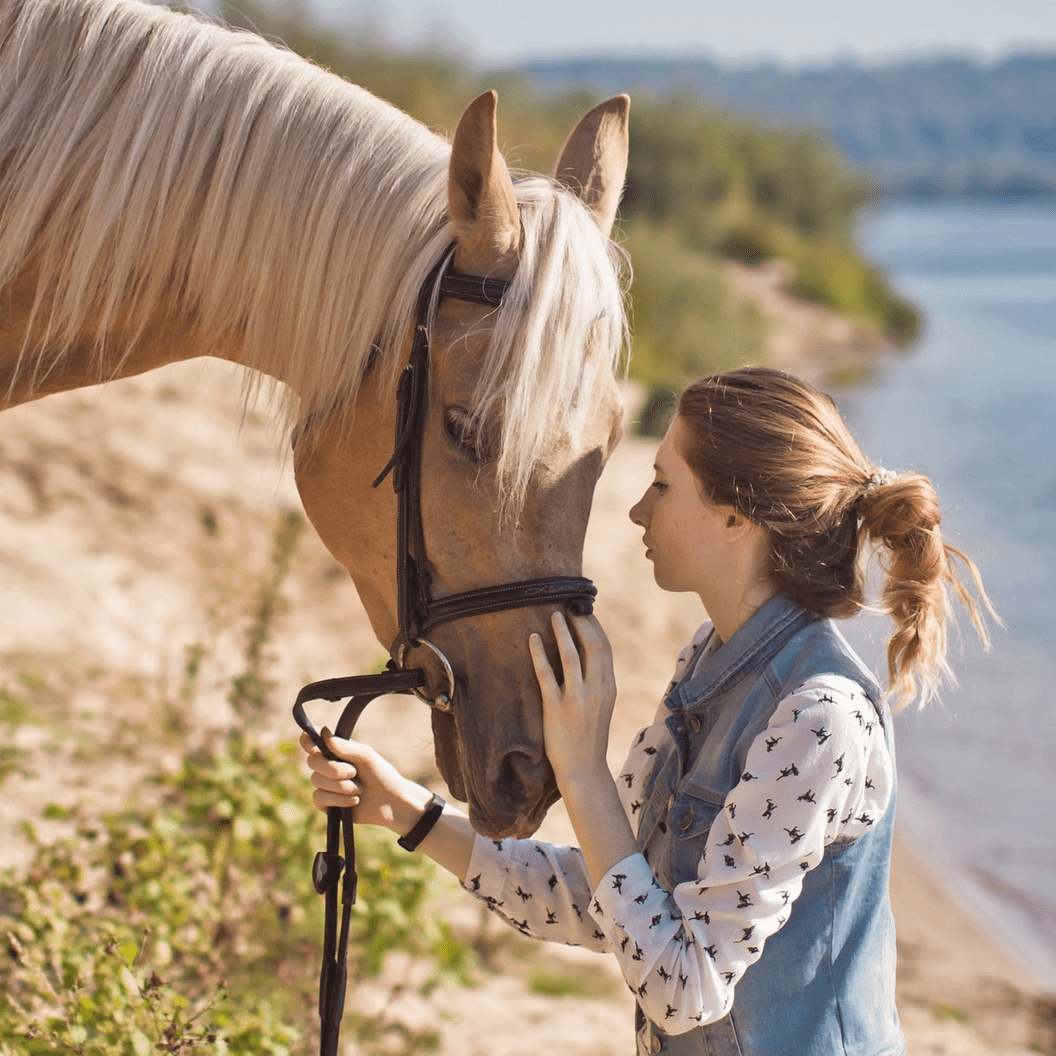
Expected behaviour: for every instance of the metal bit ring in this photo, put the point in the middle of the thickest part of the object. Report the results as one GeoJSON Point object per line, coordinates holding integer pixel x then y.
{"type": "Point", "coordinates": [443, 701]}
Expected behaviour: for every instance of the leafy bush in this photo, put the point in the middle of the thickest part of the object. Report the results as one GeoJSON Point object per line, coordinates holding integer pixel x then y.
{"type": "Point", "coordinates": [687, 321]}
{"type": "Point", "coordinates": [190, 925]}
{"type": "Point", "coordinates": [831, 273]}
{"type": "Point", "coordinates": [752, 193]}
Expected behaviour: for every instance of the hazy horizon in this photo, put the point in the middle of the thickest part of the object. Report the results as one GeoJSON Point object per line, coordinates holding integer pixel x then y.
{"type": "Point", "coordinates": [797, 33]}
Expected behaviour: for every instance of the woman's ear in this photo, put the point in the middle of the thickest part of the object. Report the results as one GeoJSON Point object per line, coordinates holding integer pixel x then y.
{"type": "Point", "coordinates": [737, 525]}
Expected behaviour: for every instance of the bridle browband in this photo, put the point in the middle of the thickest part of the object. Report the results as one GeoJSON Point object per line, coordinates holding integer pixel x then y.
{"type": "Point", "coordinates": [418, 612]}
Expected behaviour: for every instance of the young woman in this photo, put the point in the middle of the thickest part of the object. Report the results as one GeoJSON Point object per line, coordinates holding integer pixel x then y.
{"type": "Point", "coordinates": [737, 865]}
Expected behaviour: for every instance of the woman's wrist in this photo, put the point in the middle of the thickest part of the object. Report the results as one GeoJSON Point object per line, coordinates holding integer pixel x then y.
{"type": "Point", "coordinates": [584, 785]}
{"type": "Point", "coordinates": [424, 825]}
{"type": "Point", "coordinates": [602, 829]}
{"type": "Point", "coordinates": [408, 809]}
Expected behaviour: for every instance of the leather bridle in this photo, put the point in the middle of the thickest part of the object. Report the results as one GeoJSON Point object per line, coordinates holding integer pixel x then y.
{"type": "Point", "coordinates": [418, 612]}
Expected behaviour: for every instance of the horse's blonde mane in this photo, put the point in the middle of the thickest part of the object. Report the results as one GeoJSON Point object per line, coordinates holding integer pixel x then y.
{"type": "Point", "coordinates": [151, 162]}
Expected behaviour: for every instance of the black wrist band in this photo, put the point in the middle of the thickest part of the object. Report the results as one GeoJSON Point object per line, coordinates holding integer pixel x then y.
{"type": "Point", "coordinates": [424, 825]}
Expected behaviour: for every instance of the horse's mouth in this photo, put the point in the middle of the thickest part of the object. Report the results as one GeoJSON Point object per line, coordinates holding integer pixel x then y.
{"type": "Point", "coordinates": [513, 803]}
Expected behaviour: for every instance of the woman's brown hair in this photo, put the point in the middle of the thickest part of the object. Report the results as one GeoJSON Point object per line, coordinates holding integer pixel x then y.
{"type": "Point", "coordinates": [777, 450]}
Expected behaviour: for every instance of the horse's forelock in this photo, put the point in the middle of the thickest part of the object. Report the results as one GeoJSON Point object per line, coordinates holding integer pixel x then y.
{"type": "Point", "coordinates": [561, 335]}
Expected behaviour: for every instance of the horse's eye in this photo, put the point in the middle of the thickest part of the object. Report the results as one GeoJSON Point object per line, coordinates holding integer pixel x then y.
{"type": "Point", "coordinates": [459, 426]}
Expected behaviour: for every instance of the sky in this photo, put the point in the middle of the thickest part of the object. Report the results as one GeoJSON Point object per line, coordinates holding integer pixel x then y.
{"type": "Point", "coordinates": [793, 32]}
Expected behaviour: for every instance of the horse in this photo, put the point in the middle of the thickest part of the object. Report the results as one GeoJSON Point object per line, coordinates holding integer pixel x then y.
{"type": "Point", "coordinates": [171, 188]}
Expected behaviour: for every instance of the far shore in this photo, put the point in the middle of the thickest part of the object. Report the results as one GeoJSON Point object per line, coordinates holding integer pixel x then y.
{"type": "Point", "coordinates": [817, 344]}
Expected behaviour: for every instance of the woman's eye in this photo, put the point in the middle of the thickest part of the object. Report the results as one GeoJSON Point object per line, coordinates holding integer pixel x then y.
{"type": "Point", "coordinates": [659, 485]}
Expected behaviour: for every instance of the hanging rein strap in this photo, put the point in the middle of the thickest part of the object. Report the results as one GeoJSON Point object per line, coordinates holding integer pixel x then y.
{"type": "Point", "coordinates": [329, 864]}
{"type": "Point", "coordinates": [418, 612]}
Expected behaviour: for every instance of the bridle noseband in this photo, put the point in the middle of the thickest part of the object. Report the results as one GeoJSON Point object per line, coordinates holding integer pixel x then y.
{"type": "Point", "coordinates": [418, 612]}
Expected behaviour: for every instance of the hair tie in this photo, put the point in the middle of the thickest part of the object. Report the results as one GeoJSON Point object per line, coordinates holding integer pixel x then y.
{"type": "Point", "coordinates": [880, 477]}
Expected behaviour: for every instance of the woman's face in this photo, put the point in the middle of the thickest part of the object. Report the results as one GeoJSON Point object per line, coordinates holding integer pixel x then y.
{"type": "Point", "coordinates": [685, 534]}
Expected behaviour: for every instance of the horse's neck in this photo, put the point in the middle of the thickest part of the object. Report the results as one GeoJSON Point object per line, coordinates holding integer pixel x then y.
{"type": "Point", "coordinates": [180, 260]}
{"type": "Point", "coordinates": [33, 366]}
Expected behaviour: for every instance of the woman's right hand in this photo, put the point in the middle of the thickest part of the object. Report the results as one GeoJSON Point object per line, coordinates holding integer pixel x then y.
{"type": "Point", "coordinates": [362, 779]}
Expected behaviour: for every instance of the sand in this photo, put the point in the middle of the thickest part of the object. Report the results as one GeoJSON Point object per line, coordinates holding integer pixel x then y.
{"type": "Point", "coordinates": [134, 517]}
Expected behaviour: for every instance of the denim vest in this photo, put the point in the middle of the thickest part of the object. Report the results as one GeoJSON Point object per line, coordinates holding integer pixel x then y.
{"type": "Point", "coordinates": [824, 984]}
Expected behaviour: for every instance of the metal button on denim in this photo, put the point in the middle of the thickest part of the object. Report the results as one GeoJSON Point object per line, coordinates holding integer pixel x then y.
{"type": "Point", "coordinates": [685, 823]}
{"type": "Point", "coordinates": [694, 723]}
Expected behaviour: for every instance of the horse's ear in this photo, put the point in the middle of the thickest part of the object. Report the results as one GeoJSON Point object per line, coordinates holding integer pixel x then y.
{"type": "Point", "coordinates": [593, 161]}
{"type": "Point", "coordinates": [480, 195]}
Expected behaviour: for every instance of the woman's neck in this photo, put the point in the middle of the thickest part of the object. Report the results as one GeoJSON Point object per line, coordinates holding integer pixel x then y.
{"type": "Point", "coordinates": [745, 586]}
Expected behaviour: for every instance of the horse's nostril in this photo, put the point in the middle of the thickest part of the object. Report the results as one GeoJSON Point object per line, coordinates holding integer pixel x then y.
{"type": "Point", "coordinates": [522, 775]}
{"type": "Point", "coordinates": [520, 789]}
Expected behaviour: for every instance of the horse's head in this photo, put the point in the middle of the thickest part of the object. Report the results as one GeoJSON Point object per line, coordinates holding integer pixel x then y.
{"type": "Point", "coordinates": [522, 413]}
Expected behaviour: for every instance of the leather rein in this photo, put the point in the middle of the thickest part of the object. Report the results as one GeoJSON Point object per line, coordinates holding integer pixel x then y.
{"type": "Point", "coordinates": [418, 612]}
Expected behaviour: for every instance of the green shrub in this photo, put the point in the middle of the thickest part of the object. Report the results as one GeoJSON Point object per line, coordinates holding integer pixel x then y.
{"type": "Point", "coordinates": [190, 925]}
{"type": "Point", "coordinates": [686, 319]}
{"type": "Point", "coordinates": [832, 274]}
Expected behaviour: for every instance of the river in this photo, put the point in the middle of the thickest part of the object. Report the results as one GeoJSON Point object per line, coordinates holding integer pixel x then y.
{"type": "Point", "coordinates": [973, 406]}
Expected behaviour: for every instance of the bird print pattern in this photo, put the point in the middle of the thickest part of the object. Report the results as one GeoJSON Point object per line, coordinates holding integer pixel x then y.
{"type": "Point", "coordinates": [820, 771]}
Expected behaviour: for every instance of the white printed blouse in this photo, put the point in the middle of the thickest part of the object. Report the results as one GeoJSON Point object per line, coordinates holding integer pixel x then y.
{"type": "Point", "coordinates": [820, 770]}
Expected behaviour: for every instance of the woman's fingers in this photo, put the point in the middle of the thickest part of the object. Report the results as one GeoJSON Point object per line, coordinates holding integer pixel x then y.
{"type": "Point", "coordinates": [336, 768]}
{"type": "Point", "coordinates": [566, 645]}
{"type": "Point", "coordinates": [357, 777]}
{"type": "Point", "coordinates": [544, 673]}
{"type": "Point", "coordinates": [592, 639]}
{"type": "Point", "coordinates": [321, 798]}
{"type": "Point", "coordinates": [334, 779]}
{"type": "Point", "coordinates": [599, 655]}
{"type": "Point", "coordinates": [584, 651]}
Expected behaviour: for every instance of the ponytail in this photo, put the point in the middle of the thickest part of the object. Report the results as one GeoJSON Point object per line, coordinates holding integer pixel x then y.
{"type": "Point", "coordinates": [777, 451]}
{"type": "Point", "coordinates": [899, 515]}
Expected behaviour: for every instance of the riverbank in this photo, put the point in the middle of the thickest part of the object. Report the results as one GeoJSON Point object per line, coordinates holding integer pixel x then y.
{"type": "Point", "coordinates": [134, 520]}
{"type": "Point", "coordinates": [804, 338]}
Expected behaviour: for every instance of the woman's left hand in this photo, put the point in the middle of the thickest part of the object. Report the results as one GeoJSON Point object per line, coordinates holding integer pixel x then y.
{"type": "Point", "coordinates": [576, 715]}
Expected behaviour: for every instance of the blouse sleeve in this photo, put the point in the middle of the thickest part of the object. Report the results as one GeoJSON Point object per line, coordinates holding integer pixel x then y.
{"type": "Point", "coordinates": [820, 770]}
{"type": "Point", "coordinates": [538, 888]}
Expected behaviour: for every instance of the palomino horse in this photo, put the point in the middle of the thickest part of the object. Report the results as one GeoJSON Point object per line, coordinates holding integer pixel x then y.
{"type": "Point", "coordinates": [172, 189]}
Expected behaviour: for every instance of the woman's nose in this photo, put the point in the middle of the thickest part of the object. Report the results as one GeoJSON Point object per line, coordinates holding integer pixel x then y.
{"type": "Point", "coordinates": [637, 512]}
